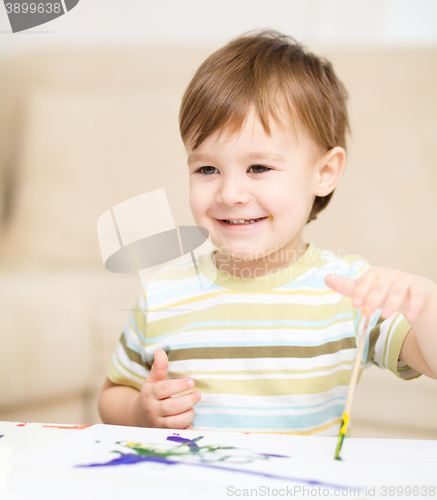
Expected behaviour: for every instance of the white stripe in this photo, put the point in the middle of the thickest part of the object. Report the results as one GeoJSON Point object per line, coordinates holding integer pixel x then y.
{"type": "Point", "coordinates": [120, 368]}
{"type": "Point", "coordinates": [272, 376]}
{"type": "Point", "coordinates": [133, 338]}
{"type": "Point", "coordinates": [137, 369]}
{"type": "Point", "coordinates": [380, 343]}
{"type": "Point", "coordinates": [273, 401]}
{"type": "Point", "coordinates": [264, 411]}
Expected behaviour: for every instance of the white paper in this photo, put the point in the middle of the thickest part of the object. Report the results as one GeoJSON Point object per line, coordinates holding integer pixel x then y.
{"type": "Point", "coordinates": [306, 462]}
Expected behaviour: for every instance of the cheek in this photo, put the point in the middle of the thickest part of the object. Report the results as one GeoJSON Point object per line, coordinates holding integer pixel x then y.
{"type": "Point", "coordinates": [286, 200]}
{"type": "Point", "coordinates": [197, 201]}
{"type": "Point", "coordinates": [291, 196]}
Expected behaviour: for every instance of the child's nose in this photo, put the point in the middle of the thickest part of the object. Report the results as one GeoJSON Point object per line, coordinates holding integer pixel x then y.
{"type": "Point", "coordinates": [232, 191]}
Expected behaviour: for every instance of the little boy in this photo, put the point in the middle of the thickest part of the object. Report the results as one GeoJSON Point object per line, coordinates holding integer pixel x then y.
{"type": "Point", "coordinates": [269, 341]}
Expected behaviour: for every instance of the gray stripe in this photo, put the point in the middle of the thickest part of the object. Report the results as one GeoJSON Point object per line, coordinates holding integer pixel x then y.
{"type": "Point", "coordinates": [261, 351]}
{"type": "Point", "coordinates": [131, 354]}
{"type": "Point", "coordinates": [373, 338]}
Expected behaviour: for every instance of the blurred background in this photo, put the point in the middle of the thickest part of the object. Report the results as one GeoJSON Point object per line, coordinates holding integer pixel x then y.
{"type": "Point", "coordinates": [89, 108]}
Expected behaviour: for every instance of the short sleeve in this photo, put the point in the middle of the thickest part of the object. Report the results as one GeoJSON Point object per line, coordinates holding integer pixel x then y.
{"type": "Point", "coordinates": [385, 344]}
{"type": "Point", "coordinates": [128, 365]}
{"type": "Point", "coordinates": [385, 336]}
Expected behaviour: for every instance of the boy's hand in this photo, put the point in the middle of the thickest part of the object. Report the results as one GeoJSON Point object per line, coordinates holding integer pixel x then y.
{"type": "Point", "coordinates": [387, 289]}
{"type": "Point", "coordinates": [154, 406]}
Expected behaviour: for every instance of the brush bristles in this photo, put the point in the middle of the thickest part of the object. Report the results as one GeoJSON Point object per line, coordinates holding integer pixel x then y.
{"type": "Point", "coordinates": [339, 445]}
{"type": "Point", "coordinates": [341, 435]}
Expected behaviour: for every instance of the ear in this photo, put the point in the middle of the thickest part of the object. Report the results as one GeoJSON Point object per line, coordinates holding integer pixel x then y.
{"type": "Point", "coordinates": [330, 168]}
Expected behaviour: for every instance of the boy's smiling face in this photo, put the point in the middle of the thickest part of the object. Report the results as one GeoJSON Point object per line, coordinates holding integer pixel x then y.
{"type": "Point", "coordinates": [253, 175]}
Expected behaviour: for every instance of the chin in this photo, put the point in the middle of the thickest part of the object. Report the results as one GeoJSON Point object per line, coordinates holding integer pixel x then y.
{"type": "Point", "coordinates": [246, 255]}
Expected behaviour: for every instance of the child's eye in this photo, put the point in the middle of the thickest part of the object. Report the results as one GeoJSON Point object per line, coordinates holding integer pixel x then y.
{"type": "Point", "coordinates": [201, 170]}
{"type": "Point", "coordinates": [259, 169]}
{"type": "Point", "coordinates": [266, 169]}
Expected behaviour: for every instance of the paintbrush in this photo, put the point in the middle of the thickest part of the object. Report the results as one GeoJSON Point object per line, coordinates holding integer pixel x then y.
{"type": "Point", "coordinates": [353, 383]}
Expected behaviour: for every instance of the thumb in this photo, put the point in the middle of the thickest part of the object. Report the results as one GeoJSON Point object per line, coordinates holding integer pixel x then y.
{"type": "Point", "coordinates": [342, 285]}
{"type": "Point", "coordinates": [159, 369]}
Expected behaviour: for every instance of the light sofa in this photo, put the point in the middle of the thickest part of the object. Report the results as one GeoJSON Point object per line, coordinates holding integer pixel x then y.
{"type": "Point", "coordinates": [83, 129]}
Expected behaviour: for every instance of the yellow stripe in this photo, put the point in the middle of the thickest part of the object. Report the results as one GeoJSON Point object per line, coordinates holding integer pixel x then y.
{"type": "Point", "coordinates": [209, 296]}
{"type": "Point", "coordinates": [249, 312]}
{"type": "Point", "coordinates": [131, 373]}
{"type": "Point", "coordinates": [187, 301]}
{"type": "Point", "coordinates": [115, 376]}
{"type": "Point", "coordinates": [274, 387]}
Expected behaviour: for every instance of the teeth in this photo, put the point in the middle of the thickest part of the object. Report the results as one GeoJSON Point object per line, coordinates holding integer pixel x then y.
{"type": "Point", "coordinates": [243, 221]}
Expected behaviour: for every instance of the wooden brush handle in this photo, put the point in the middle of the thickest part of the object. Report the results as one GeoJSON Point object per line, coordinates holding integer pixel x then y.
{"type": "Point", "coordinates": [356, 368]}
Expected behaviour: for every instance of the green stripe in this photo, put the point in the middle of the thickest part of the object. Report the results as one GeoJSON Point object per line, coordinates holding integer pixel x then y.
{"type": "Point", "coordinates": [131, 354]}
{"type": "Point", "coordinates": [253, 352]}
{"type": "Point", "coordinates": [373, 338]}
{"type": "Point", "coordinates": [395, 347]}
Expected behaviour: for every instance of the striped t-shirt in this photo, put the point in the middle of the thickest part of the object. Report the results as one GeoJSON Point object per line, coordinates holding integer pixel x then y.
{"type": "Point", "coordinates": [268, 354]}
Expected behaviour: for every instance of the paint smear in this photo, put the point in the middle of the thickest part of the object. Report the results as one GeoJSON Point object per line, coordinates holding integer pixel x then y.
{"type": "Point", "coordinates": [188, 452]}
{"type": "Point", "coordinates": [67, 426]}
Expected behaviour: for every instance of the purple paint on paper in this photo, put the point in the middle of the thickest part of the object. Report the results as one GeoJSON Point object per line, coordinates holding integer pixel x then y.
{"type": "Point", "coordinates": [131, 458]}
{"type": "Point", "coordinates": [147, 453]}
{"type": "Point", "coordinates": [191, 443]}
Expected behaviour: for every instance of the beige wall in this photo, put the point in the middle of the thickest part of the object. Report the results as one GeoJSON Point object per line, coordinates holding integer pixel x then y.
{"type": "Point", "coordinates": [83, 130]}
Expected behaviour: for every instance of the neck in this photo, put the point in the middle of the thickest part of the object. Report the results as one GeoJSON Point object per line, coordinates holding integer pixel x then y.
{"type": "Point", "coordinates": [272, 263]}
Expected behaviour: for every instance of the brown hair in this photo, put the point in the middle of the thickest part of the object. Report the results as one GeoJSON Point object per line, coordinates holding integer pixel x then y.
{"type": "Point", "coordinates": [254, 69]}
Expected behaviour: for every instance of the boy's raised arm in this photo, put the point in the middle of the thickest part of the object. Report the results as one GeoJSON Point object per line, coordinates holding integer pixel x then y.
{"type": "Point", "coordinates": [413, 296]}
{"type": "Point", "coordinates": [411, 354]}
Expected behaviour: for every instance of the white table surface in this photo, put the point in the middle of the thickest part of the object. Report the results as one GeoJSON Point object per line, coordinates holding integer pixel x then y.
{"type": "Point", "coordinates": [21, 482]}
{"type": "Point", "coordinates": [22, 436]}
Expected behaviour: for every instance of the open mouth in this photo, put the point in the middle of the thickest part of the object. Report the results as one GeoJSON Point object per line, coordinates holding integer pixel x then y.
{"type": "Point", "coordinates": [241, 222]}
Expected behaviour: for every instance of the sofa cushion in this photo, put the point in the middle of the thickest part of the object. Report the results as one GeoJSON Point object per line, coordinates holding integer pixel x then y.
{"type": "Point", "coordinates": [83, 153]}
{"type": "Point", "coordinates": [45, 337]}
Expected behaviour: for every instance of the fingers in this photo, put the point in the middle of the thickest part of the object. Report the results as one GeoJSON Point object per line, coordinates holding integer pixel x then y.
{"type": "Point", "coordinates": [383, 288]}
{"type": "Point", "coordinates": [159, 369]}
{"type": "Point", "coordinates": [166, 388]}
{"type": "Point", "coordinates": [181, 421]}
{"type": "Point", "coordinates": [342, 285]}
{"type": "Point", "coordinates": [391, 291]}
{"type": "Point", "coordinates": [155, 406]}
{"type": "Point", "coordinates": [178, 404]}
{"type": "Point", "coordinates": [394, 299]}
{"type": "Point", "coordinates": [373, 293]}
{"type": "Point", "coordinates": [417, 302]}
